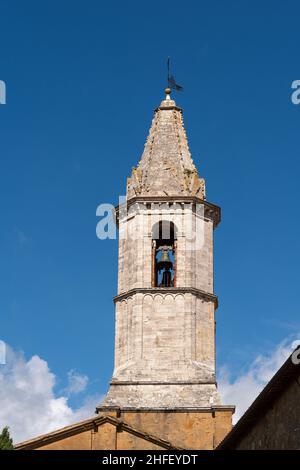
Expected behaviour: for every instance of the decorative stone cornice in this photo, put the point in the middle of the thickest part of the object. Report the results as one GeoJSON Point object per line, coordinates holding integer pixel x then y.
{"type": "Point", "coordinates": [196, 409]}
{"type": "Point", "coordinates": [211, 211]}
{"type": "Point", "coordinates": [151, 382]}
{"type": "Point", "coordinates": [208, 297]}
{"type": "Point", "coordinates": [168, 107]}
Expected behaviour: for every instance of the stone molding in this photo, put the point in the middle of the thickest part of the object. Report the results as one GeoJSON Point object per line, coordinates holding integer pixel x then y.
{"type": "Point", "coordinates": [196, 409]}
{"type": "Point", "coordinates": [168, 291]}
{"type": "Point", "coordinates": [92, 425]}
{"type": "Point", "coordinates": [155, 382]}
{"type": "Point", "coordinates": [211, 211]}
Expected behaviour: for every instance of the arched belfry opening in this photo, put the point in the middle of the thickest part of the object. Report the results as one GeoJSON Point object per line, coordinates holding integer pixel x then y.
{"type": "Point", "coordinates": [164, 244]}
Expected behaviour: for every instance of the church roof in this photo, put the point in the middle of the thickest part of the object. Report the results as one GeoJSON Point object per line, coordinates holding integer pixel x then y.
{"type": "Point", "coordinates": [287, 373]}
{"type": "Point", "coordinates": [166, 167]}
{"type": "Point", "coordinates": [89, 424]}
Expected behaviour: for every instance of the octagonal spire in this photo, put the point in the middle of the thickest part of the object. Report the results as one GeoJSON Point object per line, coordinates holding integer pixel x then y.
{"type": "Point", "coordinates": [166, 167]}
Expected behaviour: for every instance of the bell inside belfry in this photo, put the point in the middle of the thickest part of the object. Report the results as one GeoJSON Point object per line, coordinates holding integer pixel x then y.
{"type": "Point", "coordinates": [165, 266]}
{"type": "Point", "coordinates": [166, 279]}
{"type": "Point", "coordinates": [164, 245]}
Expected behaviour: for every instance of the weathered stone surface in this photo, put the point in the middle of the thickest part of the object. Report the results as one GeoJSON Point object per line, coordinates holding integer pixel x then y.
{"type": "Point", "coordinates": [166, 166]}
{"type": "Point", "coordinates": [165, 339]}
{"type": "Point", "coordinates": [194, 245]}
{"type": "Point", "coordinates": [139, 430]}
{"type": "Point", "coordinates": [162, 395]}
{"type": "Point", "coordinates": [279, 427]}
{"type": "Point", "coordinates": [272, 421]}
{"type": "Point", "coordinates": [187, 429]}
{"type": "Point", "coordinates": [99, 433]}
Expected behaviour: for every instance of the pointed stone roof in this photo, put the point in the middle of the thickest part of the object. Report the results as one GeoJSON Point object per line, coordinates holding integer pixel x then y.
{"type": "Point", "coordinates": [166, 167]}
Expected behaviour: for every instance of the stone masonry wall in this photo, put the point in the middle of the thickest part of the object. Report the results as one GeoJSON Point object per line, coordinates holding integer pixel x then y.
{"type": "Point", "coordinates": [194, 246]}
{"type": "Point", "coordinates": [279, 427]}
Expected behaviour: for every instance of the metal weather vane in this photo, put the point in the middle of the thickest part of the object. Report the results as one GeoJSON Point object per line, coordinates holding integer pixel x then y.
{"type": "Point", "coordinates": [171, 80]}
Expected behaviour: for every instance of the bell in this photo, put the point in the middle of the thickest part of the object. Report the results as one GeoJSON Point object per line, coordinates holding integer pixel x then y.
{"type": "Point", "coordinates": [165, 262]}
{"type": "Point", "coordinates": [165, 257]}
{"type": "Point", "coordinates": [166, 279]}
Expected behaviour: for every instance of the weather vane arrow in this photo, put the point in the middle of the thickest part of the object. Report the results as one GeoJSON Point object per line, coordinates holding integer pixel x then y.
{"type": "Point", "coordinates": [171, 80]}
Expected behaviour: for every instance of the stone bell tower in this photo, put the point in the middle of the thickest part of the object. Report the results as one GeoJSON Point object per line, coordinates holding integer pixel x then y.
{"type": "Point", "coordinates": [164, 375]}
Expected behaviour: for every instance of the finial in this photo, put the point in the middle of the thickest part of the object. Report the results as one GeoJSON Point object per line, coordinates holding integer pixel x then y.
{"type": "Point", "coordinates": [168, 92]}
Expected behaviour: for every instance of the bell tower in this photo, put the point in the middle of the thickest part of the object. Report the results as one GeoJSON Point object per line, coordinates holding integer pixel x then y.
{"type": "Point", "coordinates": [164, 374]}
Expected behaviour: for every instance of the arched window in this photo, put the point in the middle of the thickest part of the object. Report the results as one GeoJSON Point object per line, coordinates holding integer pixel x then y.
{"type": "Point", "coordinates": [164, 240]}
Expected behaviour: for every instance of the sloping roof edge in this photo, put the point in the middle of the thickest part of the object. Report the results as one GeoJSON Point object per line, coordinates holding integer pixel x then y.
{"type": "Point", "coordinates": [283, 377]}
{"type": "Point", "coordinates": [86, 425]}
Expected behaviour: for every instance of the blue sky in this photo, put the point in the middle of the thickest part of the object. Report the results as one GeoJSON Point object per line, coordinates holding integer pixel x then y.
{"type": "Point", "coordinates": [82, 81]}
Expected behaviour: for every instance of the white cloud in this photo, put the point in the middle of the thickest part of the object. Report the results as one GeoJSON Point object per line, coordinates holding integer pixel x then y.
{"type": "Point", "coordinates": [242, 390]}
{"type": "Point", "coordinates": [29, 404]}
{"type": "Point", "coordinates": [77, 382]}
